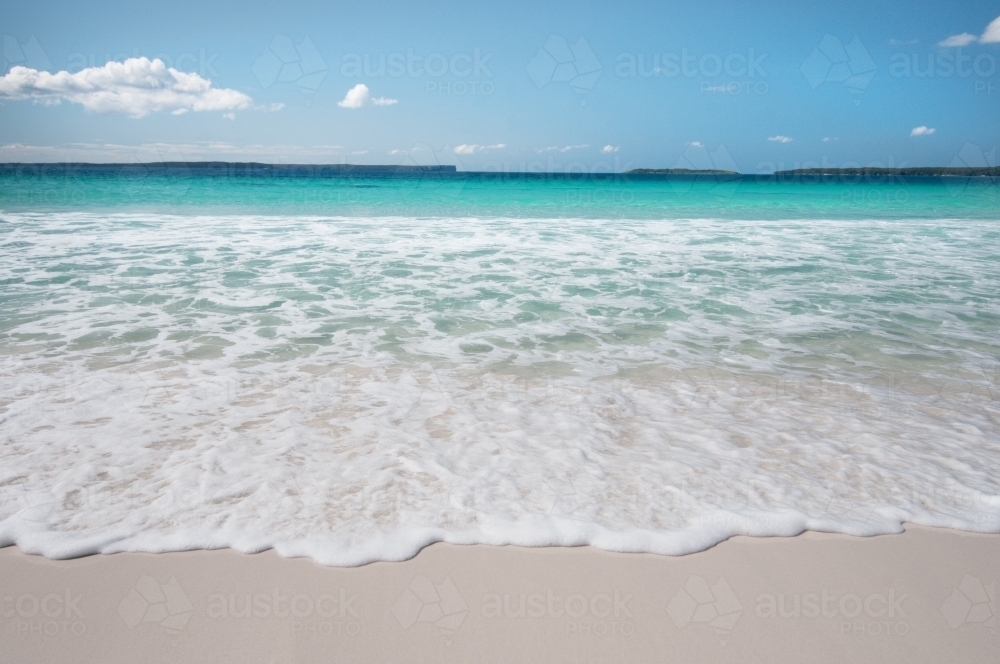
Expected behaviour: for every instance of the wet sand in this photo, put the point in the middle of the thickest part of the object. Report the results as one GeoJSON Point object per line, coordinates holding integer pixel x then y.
{"type": "Point", "coordinates": [927, 595]}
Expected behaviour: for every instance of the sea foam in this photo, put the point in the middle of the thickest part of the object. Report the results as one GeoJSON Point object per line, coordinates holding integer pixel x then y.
{"type": "Point", "coordinates": [353, 389]}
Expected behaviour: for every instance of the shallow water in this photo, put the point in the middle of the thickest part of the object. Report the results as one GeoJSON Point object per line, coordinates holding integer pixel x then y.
{"type": "Point", "coordinates": [352, 387]}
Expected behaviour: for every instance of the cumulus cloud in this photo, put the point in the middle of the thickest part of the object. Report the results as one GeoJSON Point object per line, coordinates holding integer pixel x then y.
{"type": "Point", "coordinates": [608, 149]}
{"type": "Point", "coordinates": [922, 131]}
{"type": "Point", "coordinates": [991, 35]}
{"type": "Point", "coordinates": [360, 96]}
{"type": "Point", "coordinates": [779, 139]}
{"type": "Point", "coordinates": [137, 87]}
{"type": "Point", "coordinates": [957, 41]}
{"type": "Point", "coordinates": [473, 148]}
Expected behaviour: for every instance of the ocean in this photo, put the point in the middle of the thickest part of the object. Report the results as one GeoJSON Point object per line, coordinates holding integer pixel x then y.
{"type": "Point", "coordinates": [350, 367]}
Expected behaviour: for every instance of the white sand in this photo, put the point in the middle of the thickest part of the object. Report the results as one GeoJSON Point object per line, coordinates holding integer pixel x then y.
{"type": "Point", "coordinates": [923, 596]}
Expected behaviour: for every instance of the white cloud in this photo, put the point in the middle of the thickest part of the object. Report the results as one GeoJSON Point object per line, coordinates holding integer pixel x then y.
{"type": "Point", "coordinates": [608, 149]}
{"type": "Point", "coordinates": [162, 151]}
{"type": "Point", "coordinates": [274, 108]}
{"type": "Point", "coordinates": [473, 148]}
{"type": "Point", "coordinates": [360, 152]}
{"type": "Point", "coordinates": [360, 95]}
{"type": "Point", "coordinates": [355, 97]}
{"type": "Point", "coordinates": [922, 131]}
{"type": "Point", "coordinates": [556, 148]}
{"type": "Point", "coordinates": [229, 116]}
{"type": "Point", "coordinates": [779, 139]}
{"type": "Point", "coordinates": [957, 41]}
{"type": "Point", "coordinates": [991, 35]}
{"type": "Point", "coordinates": [696, 144]}
{"type": "Point", "coordinates": [137, 87]}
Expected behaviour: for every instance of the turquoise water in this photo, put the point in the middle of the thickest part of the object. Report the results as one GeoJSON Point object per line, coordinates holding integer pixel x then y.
{"type": "Point", "coordinates": [352, 368]}
{"type": "Point", "coordinates": [510, 195]}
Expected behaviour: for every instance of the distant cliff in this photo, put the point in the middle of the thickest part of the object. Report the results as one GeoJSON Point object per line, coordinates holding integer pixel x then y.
{"type": "Point", "coordinates": [230, 167]}
{"type": "Point", "coordinates": [914, 171]}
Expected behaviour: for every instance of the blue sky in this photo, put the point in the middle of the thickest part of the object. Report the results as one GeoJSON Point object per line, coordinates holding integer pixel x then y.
{"type": "Point", "coordinates": [515, 86]}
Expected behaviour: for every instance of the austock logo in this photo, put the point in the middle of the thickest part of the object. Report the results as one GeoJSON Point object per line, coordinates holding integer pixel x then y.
{"type": "Point", "coordinates": [878, 614]}
{"type": "Point", "coordinates": [424, 602]}
{"type": "Point", "coordinates": [557, 61]}
{"type": "Point", "coordinates": [698, 602]}
{"type": "Point", "coordinates": [38, 616]}
{"type": "Point", "coordinates": [832, 61]}
{"type": "Point", "coordinates": [327, 615]}
{"type": "Point", "coordinates": [973, 156]}
{"type": "Point", "coordinates": [286, 62]}
{"type": "Point", "coordinates": [972, 603]}
{"type": "Point", "coordinates": [149, 601]}
{"type": "Point", "coordinates": [29, 54]}
{"type": "Point", "coordinates": [601, 614]}
{"type": "Point", "coordinates": [720, 173]}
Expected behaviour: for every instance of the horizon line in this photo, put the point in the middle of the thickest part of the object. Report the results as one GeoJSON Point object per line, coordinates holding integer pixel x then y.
{"type": "Point", "coordinates": [932, 171]}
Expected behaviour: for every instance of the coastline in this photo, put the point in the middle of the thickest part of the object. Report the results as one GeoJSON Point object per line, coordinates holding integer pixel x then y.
{"type": "Point", "coordinates": [926, 593]}
{"type": "Point", "coordinates": [645, 371]}
{"type": "Point", "coordinates": [249, 168]}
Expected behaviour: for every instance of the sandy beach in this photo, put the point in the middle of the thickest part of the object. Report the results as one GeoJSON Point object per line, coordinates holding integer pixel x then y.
{"type": "Point", "coordinates": [927, 595]}
{"type": "Point", "coordinates": [525, 332]}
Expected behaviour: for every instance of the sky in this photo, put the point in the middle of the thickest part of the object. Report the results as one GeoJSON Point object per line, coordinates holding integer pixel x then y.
{"type": "Point", "coordinates": [514, 86]}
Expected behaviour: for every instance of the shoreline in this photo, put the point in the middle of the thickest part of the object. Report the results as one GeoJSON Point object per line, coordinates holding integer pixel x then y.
{"type": "Point", "coordinates": [927, 593]}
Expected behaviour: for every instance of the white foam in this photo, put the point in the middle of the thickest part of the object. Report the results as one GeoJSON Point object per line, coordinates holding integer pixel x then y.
{"type": "Point", "coordinates": [354, 389]}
